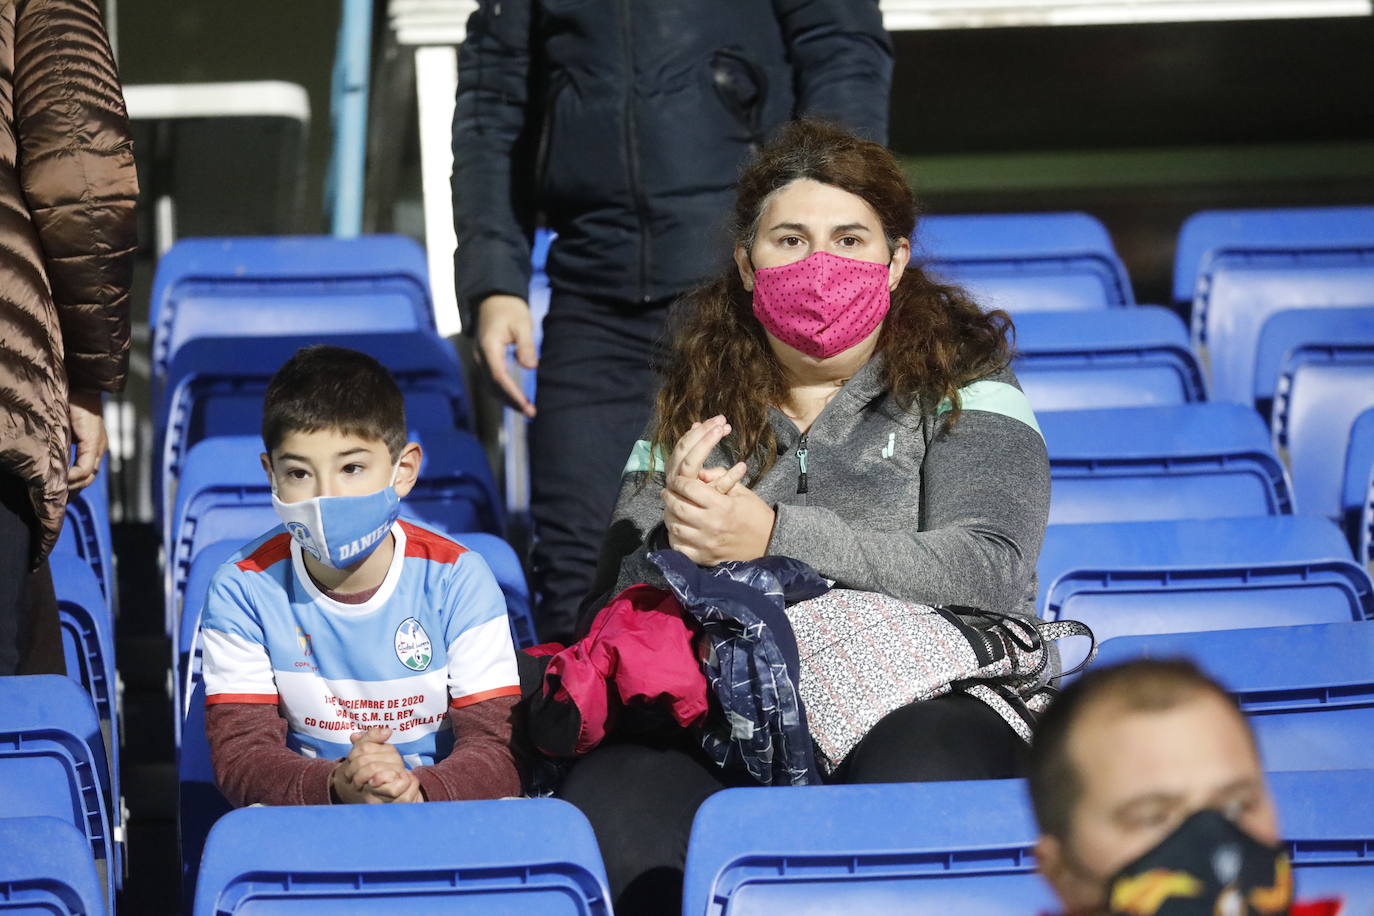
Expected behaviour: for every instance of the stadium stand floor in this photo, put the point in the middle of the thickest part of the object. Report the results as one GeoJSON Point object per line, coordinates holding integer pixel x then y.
{"type": "Point", "coordinates": [149, 776]}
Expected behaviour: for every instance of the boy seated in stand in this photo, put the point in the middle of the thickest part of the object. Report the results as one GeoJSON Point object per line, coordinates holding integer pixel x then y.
{"type": "Point", "coordinates": [348, 656]}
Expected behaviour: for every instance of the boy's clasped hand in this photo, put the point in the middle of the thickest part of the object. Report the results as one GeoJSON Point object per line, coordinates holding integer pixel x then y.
{"type": "Point", "coordinates": [373, 772]}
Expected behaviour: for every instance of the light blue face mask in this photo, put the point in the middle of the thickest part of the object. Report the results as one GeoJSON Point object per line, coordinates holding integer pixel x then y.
{"type": "Point", "coordinates": [340, 531]}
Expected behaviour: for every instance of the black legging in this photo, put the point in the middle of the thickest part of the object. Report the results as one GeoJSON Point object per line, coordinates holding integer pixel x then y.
{"type": "Point", "coordinates": [641, 800]}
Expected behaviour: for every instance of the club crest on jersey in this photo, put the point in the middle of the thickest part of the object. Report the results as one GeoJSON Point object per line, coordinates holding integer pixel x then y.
{"type": "Point", "coordinates": [412, 645]}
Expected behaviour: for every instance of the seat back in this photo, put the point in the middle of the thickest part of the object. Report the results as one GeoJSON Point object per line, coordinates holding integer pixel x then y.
{"type": "Point", "coordinates": [1297, 227]}
{"type": "Point", "coordinates": [1240, 289]}
{"type": "Point", "coordinates": [1359, 464]}
{"type": "Point", "coordinates": [1327, 818]}
{"type": "Point", "coordinates": [520, 856]}
{"type": "Point", "coordinates": [1216, 574]}
{"type": "Point", "coordinates": [919, 848]}
{"type": "Point", "coordinates": [186, 653]}
{"type": "Point", "coordinates": [86, 533]}
{"type": "Point", "coordinates": [199, 802]}
{"type": "Point", "coordinates": [1308, 691]}
{"type": "Point", "coordinates": [1026, 262]}
{"type": "Point", "coordinates": [231, 287]}
{"type": "Point", "coordinates": [1365, 544]}
{"type": "Point", "coordinates": [215, 385]}
{"type": "Point", "coordinates": [1322, 391]}
{"type": "Point", "coordinates": [88, 647]}
{"type": "Point", "coordinates": [1292, 329]}
{"type": "Point", "coordinates": [46, 868]}
{"type": "Point", "coordinates": [51, 760]}
{"type": "Point", "coordinates": [1159, 463]}
{"type": "Point", "coordinates": [1110, 358]}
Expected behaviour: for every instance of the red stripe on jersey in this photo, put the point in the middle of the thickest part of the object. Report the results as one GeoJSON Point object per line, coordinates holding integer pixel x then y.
{"type": "Point", "coordinates": [470, 699]}
{"type": "Point", "coordinates": [425, 544]}
{"type": "Point", "coordinates": [215, 698]}
{"type": "Point", "coordinates": [273, 551]}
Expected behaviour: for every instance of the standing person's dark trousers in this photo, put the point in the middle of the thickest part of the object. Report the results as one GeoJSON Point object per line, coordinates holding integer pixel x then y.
{"type": "Point", "coordinates": [596, 385]}
{"type": "Point", "coordinates": [29, 639]}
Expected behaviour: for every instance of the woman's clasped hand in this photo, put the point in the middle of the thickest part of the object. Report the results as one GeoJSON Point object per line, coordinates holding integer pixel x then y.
{"type": "Point", "coordinates": [709, 514]}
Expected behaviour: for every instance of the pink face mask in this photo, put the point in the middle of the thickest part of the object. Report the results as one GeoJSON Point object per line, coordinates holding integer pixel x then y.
{"type": "Point", "coordinates": [823, 304]}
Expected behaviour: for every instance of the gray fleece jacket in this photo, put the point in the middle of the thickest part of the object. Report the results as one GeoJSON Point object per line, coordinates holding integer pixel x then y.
{"type": "Point", "coordinates": [894, 501]}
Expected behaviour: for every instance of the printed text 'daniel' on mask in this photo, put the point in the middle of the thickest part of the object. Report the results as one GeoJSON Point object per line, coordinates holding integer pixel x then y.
{"type": "Point", "coordinates": [340, 531]}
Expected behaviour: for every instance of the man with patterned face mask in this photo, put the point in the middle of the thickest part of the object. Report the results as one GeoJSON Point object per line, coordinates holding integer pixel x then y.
{"type": "Point", "coordinates": [1151, 800]}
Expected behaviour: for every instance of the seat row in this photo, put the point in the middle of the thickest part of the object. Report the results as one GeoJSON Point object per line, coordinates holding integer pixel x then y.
{"type": "Point", "coordinates": [930, 848]}
{"type": "Point", "coordinates": [1307, 691]}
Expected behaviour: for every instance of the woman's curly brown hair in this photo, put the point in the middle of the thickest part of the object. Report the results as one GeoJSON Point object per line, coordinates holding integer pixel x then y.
{"type": "Point", "coordinates": [934, 341]}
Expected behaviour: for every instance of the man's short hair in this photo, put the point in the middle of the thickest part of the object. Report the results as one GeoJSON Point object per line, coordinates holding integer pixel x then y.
{"type": "Point", "coordinates": [1147, 685]}
{"type": "Point", "coordinates": [334, 388]}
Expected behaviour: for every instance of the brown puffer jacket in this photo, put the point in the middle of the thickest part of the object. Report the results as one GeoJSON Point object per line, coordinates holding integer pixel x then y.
{"type": "Point", "coordinates": [67, 236]}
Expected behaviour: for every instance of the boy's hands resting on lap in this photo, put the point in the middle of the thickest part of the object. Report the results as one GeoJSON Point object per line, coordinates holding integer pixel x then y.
{"type": "Point", "coordinates": [373, 772]}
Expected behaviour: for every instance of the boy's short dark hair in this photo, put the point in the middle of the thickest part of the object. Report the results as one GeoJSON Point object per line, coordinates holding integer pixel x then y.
{"type": "Point", "coordinates": [334, 388]}
{"type": "Point", "coordinates": [1146, 685]}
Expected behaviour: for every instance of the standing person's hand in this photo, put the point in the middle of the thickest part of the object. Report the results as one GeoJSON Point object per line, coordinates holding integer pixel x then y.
{"type": "Point", "coordinates": [502, 321]}
{"type": "Point", "coordinates": [84, 410]}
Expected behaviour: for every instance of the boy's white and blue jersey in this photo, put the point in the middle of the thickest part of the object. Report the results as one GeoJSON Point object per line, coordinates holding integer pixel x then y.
{"type": "Point", "coordinates": [434, 636]}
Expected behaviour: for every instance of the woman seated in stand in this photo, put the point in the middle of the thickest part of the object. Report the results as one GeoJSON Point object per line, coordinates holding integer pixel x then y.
{"type": "Point", "coordinates": [825, 400]}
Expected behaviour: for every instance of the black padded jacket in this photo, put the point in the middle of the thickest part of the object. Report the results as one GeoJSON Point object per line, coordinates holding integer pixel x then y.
{"type": "Point", "coordinates": [623, 126]}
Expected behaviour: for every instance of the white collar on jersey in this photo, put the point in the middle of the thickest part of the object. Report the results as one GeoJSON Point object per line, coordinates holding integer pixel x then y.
{"type": "Point", "coordinates": [384, 591]}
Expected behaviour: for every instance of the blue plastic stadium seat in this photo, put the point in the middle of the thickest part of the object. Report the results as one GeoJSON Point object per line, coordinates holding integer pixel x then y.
{"type": "Point", "coordinates": [51, 757]}
{"type": "Point", "coordinates": [186, 654]}
{"type": "Point", "coordinates": [1111, 358]}
{"type": "Point", "coordinates": [1365, 548]}
{"type": "Point", "coordinates": [1240, 286]}
{"type": "Point", "coordinates": [1322, 391]}
{"type": "Point", "coordinates": [1162, 577]}
{"type": "Point", "coordinates": [1327, 818]}
{"type": "Point", "coordinates": [1159, 463]}
{"type": "Point", "coordinates": [46, 868]}
{"type": "Point", "coordinates": [1308, 691]}
{"type": "Point", "coordinates": [913, 848]}
{"type": "Point", "coordinates": [1026, 262]}
{"type": "Point", "coordinates": [88, 646]}
{"type": "Point", "coordinates": [1359, 464]}
{"type": "Point", "coordinates": [86, 533]}
{"type": "Point", "coordinates": [1294, 329]}
{"type": "Point", "coordinates": [1298, 227]}
{"type": "Point", "coordinates": [286, 285]}
{"type": "Point", "coordinates": [212, 390]}
{"type": "Point", "coordinates": [528, 857]}
{"type": "Point", "coordinates": [199, 802]}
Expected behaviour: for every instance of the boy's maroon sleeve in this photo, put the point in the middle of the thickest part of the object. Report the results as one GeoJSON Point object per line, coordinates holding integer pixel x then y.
{"type": "Point", "coordinates": [252, 763]}
{"type": "Point", "coordinates": [482, 764]}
